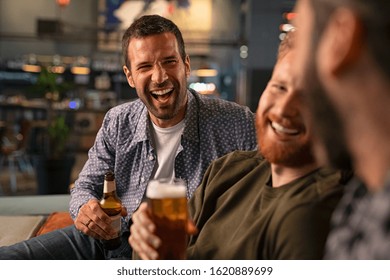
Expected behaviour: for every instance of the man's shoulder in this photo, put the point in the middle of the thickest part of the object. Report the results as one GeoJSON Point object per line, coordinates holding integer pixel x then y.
{"type": "Point", "coordinates": [328, 180]}
{"type": "Point", "coordinates": [124, 118]}
{"type": "Point", "coordinates": [310, 201]}
{"type": "Point", "coordinates": [124, 113]}
{"type": "Point", "coordinates": [243, 158]}
{"type": "Point", "coordinates": [322, 188]}
{"type": "Point", "coordinates": [130, 107]}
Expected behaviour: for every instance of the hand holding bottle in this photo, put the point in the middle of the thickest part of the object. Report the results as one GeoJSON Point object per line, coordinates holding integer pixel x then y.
{"type": "Point", "coordinates": [102, 219]}
{"type": "Point", "coordinates": [93, 221]}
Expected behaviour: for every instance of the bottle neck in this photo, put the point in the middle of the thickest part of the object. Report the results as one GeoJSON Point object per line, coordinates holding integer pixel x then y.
{"type": "Point", "coordinates": [109, 186]}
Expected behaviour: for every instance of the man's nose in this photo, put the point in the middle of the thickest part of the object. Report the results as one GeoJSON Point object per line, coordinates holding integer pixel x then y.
{"type": "Point", "coordinates": [288, 105]}
{"type": "Point", "coordinates": [159, 74]}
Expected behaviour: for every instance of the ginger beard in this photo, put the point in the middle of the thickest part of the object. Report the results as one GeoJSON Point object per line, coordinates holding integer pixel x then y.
{"type": "Point", "coordinates": [292, 153]}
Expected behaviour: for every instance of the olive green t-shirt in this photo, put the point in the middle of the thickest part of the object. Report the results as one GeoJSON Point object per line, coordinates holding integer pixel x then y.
{"type": "Point", "coordinates": [240, 216]}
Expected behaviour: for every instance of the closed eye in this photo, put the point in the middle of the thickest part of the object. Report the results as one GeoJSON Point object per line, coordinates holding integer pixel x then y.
{"type": "Point", "coordinates": [144, 66]}
{"type": "Point", "coordinates": [170, 62]}
{"type": "Point", "coordinates": [279, 87]}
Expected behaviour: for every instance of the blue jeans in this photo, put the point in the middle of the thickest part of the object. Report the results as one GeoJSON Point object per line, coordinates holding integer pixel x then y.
{"type": "Point", "coordinates": [64, 244]}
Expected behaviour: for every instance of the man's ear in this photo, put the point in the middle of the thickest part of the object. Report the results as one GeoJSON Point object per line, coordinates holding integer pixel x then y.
{"type": "Point", "coordinates": [342, 41]}
{"type": "Point", "coordinates": [187, 65]}
{"type": "Point", "coordinates": [129, 77]}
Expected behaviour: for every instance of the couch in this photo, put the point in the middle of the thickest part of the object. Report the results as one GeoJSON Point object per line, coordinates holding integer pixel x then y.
{"type": "Point", "coordinates": [23, 217]}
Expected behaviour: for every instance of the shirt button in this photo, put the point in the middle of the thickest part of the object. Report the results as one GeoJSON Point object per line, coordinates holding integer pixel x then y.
{"type": "Point", "coordinates": [151, 157]}
{"type": "Point", "coordinates": [137, 201]}
{"type": "Point", "coordinates": [142, 179]}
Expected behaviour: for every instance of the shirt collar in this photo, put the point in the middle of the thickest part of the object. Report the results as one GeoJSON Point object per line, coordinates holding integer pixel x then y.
{"type": "Point", "coordinates": [191, 118]}
{"type": "Point", "coordinates": [142, 125]}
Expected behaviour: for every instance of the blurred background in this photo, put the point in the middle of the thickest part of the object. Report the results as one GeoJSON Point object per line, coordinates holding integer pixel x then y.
{"type": "Point", "coordinates": [61, 70]}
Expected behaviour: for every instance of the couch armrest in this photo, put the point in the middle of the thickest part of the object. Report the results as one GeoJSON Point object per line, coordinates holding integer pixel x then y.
{"type": "Point", "coordinates": [14, 229]}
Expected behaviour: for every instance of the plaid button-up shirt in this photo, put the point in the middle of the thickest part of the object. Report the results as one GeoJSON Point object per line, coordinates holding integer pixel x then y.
{"type": "Point", "coordinates": [361, 224]}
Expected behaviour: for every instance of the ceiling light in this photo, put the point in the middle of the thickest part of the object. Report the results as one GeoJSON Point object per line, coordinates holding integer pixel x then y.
{"type": "Point", "coordinates": [80, 70]}
{"type": "Point", "coordinates": [31, 68]}
{"type": "Point", "coordinates": [206, 72]}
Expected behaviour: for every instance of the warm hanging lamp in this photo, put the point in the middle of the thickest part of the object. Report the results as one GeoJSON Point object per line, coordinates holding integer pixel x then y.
{"type": "Point", "coordinates": [63, 3]}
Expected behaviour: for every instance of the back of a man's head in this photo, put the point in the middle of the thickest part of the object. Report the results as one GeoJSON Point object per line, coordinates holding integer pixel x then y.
{"type": "Point", "coordinates": [151, 25]}
{"type": "Point", "coordinates": [374, 18]}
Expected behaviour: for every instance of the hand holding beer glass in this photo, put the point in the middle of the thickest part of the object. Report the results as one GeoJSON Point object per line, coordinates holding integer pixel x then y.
{"type": "Point", "coordinates": [168, 209]}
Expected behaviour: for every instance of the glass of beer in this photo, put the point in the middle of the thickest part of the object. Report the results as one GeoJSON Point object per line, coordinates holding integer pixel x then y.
{"type": "Point", "coordinates": [168, 204]}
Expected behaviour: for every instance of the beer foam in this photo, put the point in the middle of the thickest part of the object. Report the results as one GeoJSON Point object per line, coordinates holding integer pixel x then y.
{"type": "Point", "coordinates": [157, 190]}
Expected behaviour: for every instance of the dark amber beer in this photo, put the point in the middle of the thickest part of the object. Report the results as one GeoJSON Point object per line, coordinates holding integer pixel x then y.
{"type": "Point", "coordinates": [112, 206]}
{"type": "Point", "coordinates": [168, 204]}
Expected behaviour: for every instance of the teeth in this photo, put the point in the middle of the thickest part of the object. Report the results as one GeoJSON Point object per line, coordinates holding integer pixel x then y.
{"type": "Point", "coordinates": [280, 128]}
{"type": "Point", "coordinates": [161, 92]}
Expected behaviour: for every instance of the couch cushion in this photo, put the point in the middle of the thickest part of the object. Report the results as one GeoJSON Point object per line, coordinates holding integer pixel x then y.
{"type": "Point", "coordinates": [14, 229]}
{"type": "Point", "coordinates": [55, 221]}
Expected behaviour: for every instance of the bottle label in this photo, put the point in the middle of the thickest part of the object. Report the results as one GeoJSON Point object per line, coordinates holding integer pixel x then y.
{"type": "Point", "coordinates": [109, 186]}
{"type": "Point", "coordinates": [116, 223]}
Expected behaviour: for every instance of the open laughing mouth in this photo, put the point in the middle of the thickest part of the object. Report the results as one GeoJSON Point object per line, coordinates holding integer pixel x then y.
{"type": "Point", "coordinates": [162, 95]}
{"type": "Point", "coordinates": [283, 130]}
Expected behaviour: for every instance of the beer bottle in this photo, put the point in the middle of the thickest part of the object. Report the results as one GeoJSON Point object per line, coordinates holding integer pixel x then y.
{"type": "Point", "coordinates": [112, 206]}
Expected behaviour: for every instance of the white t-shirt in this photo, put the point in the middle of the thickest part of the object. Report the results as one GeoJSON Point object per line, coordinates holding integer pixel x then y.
{"type": "Point", "coordinates": [166, 142]}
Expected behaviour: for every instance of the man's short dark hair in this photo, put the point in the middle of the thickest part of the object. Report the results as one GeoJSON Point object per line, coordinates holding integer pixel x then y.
{"type": "Point", "coordinates": [151, 25]}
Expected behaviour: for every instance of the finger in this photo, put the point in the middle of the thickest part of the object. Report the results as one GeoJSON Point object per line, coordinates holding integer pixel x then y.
{"type": "Point", "coordinates": [92, 221]}
{"type": "Point", "coordinates": [143, 232]}
{"type": "Point", "coordinates": [149, 255]}
{"type": "Point", "coordinates": [101, 231]}
{"type": "Point", "coordinates": [84, 226]}
{"type": "Point", "coordinates": [141, 245]}
{"type": "Point", "coordinates": [82, 218]}
{"type": "Point", "coordinates": [102, 220]}
{"type": "Point", "coordinates": [88, 231]}
{"type": "Point", "coordinates": [144, 228]}
{"type": "Point", "coordinates": [141, 238]}
{"type": "Point", "coordinates": [143, 217]}
{"type": "Point", "coordinates": [137, 248]}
